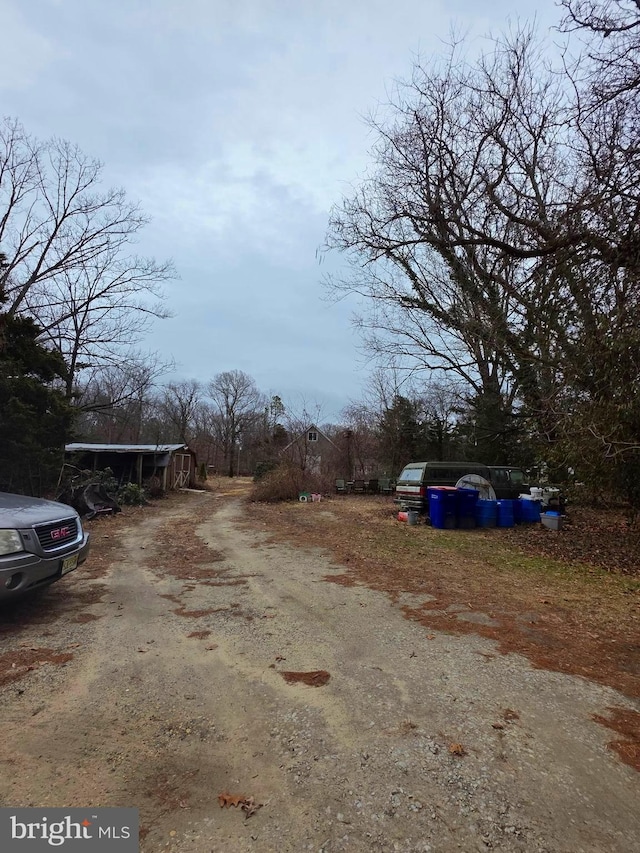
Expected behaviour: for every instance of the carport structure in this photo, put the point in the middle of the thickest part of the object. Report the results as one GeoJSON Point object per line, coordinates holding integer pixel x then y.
{"type": "Point", "coordinates": [169, 466]}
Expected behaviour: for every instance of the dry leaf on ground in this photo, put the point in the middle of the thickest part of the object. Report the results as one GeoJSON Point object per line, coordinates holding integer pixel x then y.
{"type": "Point", "coordinates": [247, 804]}
{"type": "Point", "coordinates": [228, 800]}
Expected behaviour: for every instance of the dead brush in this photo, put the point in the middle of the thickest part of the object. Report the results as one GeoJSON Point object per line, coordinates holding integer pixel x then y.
{"type": "Point", "coordinates": [286, 482]}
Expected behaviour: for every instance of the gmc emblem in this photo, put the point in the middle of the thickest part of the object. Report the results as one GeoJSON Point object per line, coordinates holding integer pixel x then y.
{"type": "Point", "coordinates": [60, 532]}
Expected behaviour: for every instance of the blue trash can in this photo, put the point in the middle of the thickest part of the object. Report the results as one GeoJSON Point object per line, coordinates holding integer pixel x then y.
{"type": "Point", "coordinates": [486, 513]}
{"type": "Point", "coordinates": [517, 511]}
{"type": "Point", "coordinates": [442, 507]}
{"type": "Point", "coordinates": [505, 513]}
{"type": "Point", "coordinates": [530, 512]}
{"type": "Point", "coordinates": [466, 500]}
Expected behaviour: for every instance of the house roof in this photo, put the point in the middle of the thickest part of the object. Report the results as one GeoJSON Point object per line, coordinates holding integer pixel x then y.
{"type": "Point", "coordinates": [311, 427]}
{"type": "Point", "coordinates": [124, 448]}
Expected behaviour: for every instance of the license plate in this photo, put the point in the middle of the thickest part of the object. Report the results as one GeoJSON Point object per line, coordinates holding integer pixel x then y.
{"type": "Point", "coordinates": [69, 564]}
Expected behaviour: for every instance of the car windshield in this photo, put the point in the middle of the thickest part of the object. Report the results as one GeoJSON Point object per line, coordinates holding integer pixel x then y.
{"type": "Point", "coordinates": [411, 475]}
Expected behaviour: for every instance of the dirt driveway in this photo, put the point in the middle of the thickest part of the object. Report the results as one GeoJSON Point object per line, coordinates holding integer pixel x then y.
{"type": "Point", "coordinates": [194, 659]}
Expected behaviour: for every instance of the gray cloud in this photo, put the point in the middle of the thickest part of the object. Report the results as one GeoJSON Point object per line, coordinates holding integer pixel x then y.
{"type": "Point", "coordinates": [236, 124]}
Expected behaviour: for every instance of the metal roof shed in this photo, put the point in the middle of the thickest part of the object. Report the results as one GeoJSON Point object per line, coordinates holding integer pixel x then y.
{"type": "Point", "coordinates": [171, 466]}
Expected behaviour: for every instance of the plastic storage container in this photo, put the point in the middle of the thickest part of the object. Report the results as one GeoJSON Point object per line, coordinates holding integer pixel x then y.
{"type": "Point", "coordinates": [466, 500]}
{"type": "Point", "coordinates": [552, 520]}
{"type": "Point", "coordinates": [505, 513]}
{"type": "Point", "coordinates": [530, 511]}
{"type": "Point", "coordinates": [442, 507]}
{"type": "Point", "coordinates": [517, 512]}
{"type": "Point", "coordinates": [486, 513]}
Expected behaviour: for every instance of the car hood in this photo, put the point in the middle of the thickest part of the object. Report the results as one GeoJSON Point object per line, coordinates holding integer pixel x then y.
{"type": "Point", "coordinates": [24, 511]}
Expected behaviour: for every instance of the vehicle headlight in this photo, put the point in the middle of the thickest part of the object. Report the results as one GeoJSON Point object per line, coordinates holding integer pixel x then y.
{"type": "Point", "coordinates": [10, 542]}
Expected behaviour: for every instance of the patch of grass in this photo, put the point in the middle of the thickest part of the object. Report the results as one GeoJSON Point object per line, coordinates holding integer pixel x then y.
{"type": "Point", "coordinates": [508, 557]}
{"type": "Point", "coordinates": [564, 614]}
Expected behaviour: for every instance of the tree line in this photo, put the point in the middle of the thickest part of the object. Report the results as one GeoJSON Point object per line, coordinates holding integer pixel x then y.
{"type": "Point", "coordinates": [235, 428]}
{"type": "Point", "coordinates": [228, 421]}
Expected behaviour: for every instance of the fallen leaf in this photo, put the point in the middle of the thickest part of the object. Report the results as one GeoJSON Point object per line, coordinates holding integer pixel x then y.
{"type": "Point", "coordinates": [497, 726]}
{"type": "Point", "coordinates": [457, 749]}
{"type": "Point", "coordinates": [228, 800]}
{"type": "Point", "coordinates": [247, 804]}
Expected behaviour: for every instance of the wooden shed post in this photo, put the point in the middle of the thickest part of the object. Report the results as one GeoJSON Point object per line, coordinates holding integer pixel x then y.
{"type": "Point", "coordinates": [139, 469]}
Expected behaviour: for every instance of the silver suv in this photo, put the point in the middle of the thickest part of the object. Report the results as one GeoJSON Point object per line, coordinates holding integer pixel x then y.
{"type": "Point", "coordinates": [40, 541]}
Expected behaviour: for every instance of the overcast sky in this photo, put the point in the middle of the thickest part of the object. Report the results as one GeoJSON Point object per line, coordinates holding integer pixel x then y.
{"type": "Point", "coordinates": [236, 124]}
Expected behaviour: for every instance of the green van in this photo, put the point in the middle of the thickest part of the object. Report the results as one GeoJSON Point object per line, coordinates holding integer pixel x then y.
{"type": "Point", "coordinates": [415, 479]}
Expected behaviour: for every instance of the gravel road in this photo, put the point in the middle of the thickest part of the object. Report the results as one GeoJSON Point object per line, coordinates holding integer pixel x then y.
{"type": "Point", "coordinates": [406, 740]}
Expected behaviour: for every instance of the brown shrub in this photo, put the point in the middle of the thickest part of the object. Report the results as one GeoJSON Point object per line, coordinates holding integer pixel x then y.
{"type": "Point", "coordinates": [286, 482]}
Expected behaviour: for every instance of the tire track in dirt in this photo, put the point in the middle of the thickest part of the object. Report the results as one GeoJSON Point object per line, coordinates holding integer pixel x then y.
{"type": "Point", "coordinates": [407, 746]}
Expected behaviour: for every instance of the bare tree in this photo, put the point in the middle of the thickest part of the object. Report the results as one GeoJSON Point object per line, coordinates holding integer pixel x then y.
{"type": "Point", "coordinates": [117, 403]}
{"type": "Point", "coordinates": [611, 29]}
{"type": "Point", "coordinates": [467, 153]}
{"type": "Point", "coordinates": [178, 405]}
{"type": "Point", "coordinates": [66, 241]}
{"type": "Point", "coordinates": [206, 435]}
{"type": "Point", "coordinates": [90, 314]}
{"type": "Point", "coordinates": [498, 239]}
{"type": "Point", "coordinates": [238, 402]}
{"type": "Point", "coordinates": [360, 441]}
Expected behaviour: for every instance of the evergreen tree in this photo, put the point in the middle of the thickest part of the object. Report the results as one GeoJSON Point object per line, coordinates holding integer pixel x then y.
{"type": "Point", "coordinates": [401, 434]}
{"type": "Point", "coordinates": [35, 418]}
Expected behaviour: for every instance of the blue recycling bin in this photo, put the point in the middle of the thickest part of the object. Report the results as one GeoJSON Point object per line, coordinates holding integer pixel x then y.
{"type": "Point", "coordinates": [486, 513]}
{"type": "Point", "coordinates": [466, 500]}
{"type": "Point", "coordinates": [530, 511]}
{"type": "Point", "coordinates": [442, 507]}
{"type": "Point", "coordinates": [505, 513]}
